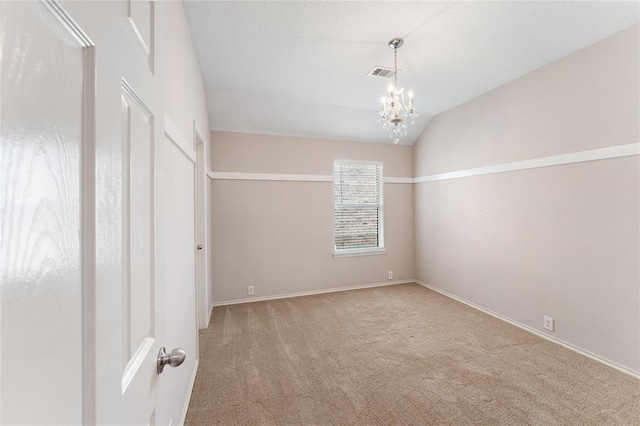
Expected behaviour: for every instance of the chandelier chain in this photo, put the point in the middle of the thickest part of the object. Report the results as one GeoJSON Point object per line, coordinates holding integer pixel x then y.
{"type": "Point", "coordinates": [395, 66]}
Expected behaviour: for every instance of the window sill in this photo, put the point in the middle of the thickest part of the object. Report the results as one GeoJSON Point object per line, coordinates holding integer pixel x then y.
{"type": "Point", "coordinates": [360, 252]}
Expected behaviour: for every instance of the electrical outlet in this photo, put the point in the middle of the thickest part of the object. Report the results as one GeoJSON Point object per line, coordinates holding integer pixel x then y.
{"type": "Point", "coordinates": [390, 275]}
{"type": "Point", "coordinates": [251, 290]}
{"type": "Point", "coordinates": [549, 323]}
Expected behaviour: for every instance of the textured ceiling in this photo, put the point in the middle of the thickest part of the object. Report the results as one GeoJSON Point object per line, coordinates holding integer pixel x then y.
{"type": "Point", "coordinates": [300, 68]}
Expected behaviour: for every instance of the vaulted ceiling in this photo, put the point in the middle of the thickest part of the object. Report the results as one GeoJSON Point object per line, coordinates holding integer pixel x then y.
{"type": "Point", "coordinates": [300, 68]}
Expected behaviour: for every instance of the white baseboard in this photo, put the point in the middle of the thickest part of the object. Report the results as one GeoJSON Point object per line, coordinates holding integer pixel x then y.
{"type": "Point", "coordinates": [185, 407]}
{"type": "Point", "coordinates": [527, 328]}
{"type": "Point", "coordinates": [210, 313]}
{"type": "Point", "coordinates": [310, 293]}
{"type": "Point", "coordinates": [532, 330]}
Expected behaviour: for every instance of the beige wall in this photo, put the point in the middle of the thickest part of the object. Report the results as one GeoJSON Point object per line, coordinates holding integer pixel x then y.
{"type": "Point", "coordinates": [559, 241]}
{"type": "Point", "coordinates": [584, 101]}
{"type": "Point", "coordinates": [251, 153]}
{"type": "Point", "coordinates": [278, 235]}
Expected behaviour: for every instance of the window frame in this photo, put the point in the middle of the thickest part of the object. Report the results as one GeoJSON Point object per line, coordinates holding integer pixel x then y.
{"type": "Point", "coordinates": [364, 251]}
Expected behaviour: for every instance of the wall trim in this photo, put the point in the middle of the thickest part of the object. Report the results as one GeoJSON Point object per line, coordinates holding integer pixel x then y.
{"type": "Point", "coordinates": [174, 136]}
{"type": "Point", "coordinates": [289, 177]}
{"type": "Point", "coordinates": [616, 151]}
{"type": "Point", "coordinates": [185, 407]}
{"type": "Point", "coordinates": [271, 176]}
{"type": "Point", "coordinates": [199, 135]}
{"type": "Point", "coordinates": [310, 293]}
{"type": "Point", "coordinates": [398, 180]}
{"type": "Point", "coordinates": [577, 349]}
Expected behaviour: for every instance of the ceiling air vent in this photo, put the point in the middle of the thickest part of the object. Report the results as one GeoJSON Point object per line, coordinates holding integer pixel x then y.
{"type": "Point", "coordinates": [378, 71]}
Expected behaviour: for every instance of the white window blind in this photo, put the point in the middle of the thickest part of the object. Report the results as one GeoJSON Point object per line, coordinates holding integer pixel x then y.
{"type": "Point", "coordinates": [358, 205]}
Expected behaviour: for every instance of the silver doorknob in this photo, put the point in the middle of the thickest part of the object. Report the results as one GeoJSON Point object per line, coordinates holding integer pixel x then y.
{"type": "Point", "coordinates": [199, 246]}
{"type": "Point", "coordinates": [174, 359]}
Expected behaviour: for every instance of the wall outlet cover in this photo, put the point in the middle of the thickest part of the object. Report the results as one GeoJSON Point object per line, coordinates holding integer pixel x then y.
{"type": "Point", "coordinates": [251, 290]}
{"type": "Point", "coordinates": [549, 323]}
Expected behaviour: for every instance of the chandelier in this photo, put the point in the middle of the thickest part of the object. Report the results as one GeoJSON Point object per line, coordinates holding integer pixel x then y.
{"type": "Point", "coordinates": [395, 112]}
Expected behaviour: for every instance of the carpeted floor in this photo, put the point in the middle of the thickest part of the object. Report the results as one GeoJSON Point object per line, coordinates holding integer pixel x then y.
{"type": "Point", "coordinates": [401, 355]}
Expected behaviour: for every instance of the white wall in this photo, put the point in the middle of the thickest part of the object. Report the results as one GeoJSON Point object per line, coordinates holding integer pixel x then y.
{"type": "Point", "coordinates": [184, 104]}
{"type": "Point", "coordinates": [278, 235]}
{"type": "Point", "coordinates": [184, 88]}
{"type": "Point", "coordinates": [561, 241]}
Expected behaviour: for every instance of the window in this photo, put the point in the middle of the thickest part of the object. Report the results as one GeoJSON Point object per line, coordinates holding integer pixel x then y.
{"type": "Point", "coordinates": [358, 207]}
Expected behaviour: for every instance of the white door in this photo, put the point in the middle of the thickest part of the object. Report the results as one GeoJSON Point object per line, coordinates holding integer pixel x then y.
{"type": "Point", "coordinates": [81, 118]}
{"type": "Point", "coordinates": [176, 260]}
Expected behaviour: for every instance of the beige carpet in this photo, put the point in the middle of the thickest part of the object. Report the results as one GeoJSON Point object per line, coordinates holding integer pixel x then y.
{"type": "Point", "coordinates": [401, 355]}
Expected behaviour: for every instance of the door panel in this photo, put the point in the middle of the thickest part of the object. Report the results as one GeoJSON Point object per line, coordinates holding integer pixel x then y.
{"type": "Point", "coordinates": [138, 286]}
{"type": "Point", "coordinates": [41, 143]}
{"type": "Point", "coordinates": [140, 17]}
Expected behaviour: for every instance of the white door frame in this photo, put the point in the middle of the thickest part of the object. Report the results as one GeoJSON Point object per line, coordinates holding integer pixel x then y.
{"type": "Point", "coordinates": [202, 288]}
